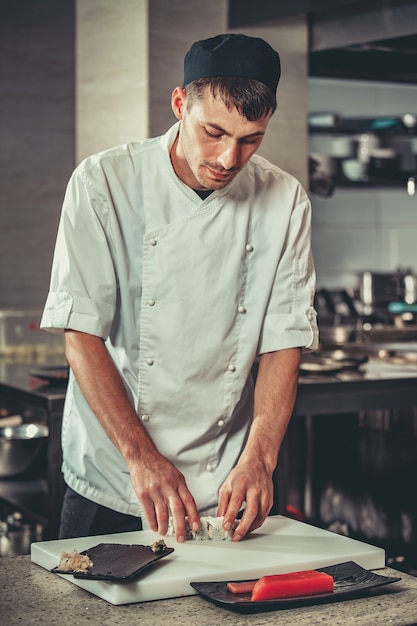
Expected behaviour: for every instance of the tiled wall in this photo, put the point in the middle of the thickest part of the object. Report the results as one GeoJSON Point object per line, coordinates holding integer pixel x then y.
{"type": "Point", "coordinates": [36, 139]}
{"type": "Point", "coordinates": [362, 229]}
{"type": "Point", "coordinates": [79, 75]}
{"type": "Point", "coordinates": [112, 90]}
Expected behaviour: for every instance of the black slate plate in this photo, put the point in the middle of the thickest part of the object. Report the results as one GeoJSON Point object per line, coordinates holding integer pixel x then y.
{"type": "Point", "coordinates": [349, 578]}
{"type": "Point", "coordinates": [118, 562]}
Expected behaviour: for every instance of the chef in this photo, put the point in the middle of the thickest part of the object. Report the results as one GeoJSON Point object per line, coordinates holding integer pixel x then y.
{"type": "Point", "coordinates": [179, 260]}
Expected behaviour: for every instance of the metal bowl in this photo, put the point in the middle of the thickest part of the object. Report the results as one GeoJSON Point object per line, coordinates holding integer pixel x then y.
{"type": "Point", "coordinates": [338, 335]}
{"type": "Point", "coordinates": [20, 447]}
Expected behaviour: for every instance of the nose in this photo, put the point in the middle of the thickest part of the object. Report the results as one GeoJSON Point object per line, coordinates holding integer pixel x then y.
{"type": "Point", "coordinates": [228, 157]}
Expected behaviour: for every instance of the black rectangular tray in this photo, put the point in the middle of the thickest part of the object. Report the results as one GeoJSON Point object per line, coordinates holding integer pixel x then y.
{"type": "Point", "coordinates": [349, 579]}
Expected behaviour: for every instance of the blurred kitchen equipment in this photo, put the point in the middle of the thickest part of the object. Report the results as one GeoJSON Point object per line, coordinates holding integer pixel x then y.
{"type": "Point", "coordinates": [56, 375]}
{"type": "Point", "coordinates": [338, 335]}
{"type": "Point", "coordinates": [21, 447]}
{"type": "Point", "coordinates": [403, 313]}
{"type": "Point", "coordinates": [330, 362]}
{"type": "Point", "coordinates": [21, 336]}
{"type": "Point", "coordinates": [384, 164]}
{"type": "Point", "coordinates": [411, 186]}
{"type": "Point", "coordinates": [354, 170]}
{"type": "Point", "coordinates": [321, 182]}
{"type": "Point", "coordinates": [335, 307]}
{"type": "Point", "coordinates": [325, 119]}
{"type": "Point", "coordinates": [378, 289]}
{"type": "Point", "coordinates": [410, 285]}
{"type": "Point", "coordinates": [338, 318]}
{"type": "Point", "coordinates": [372, 151]}
{"type": "Point", "coordinates": [17, 535]}
{"type": "Point", "coordinates": [367, 144]}
{"type": "Point", "coordinates": [9, 420]}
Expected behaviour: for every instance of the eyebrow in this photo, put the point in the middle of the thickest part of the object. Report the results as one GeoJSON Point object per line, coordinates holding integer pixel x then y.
{"type": "Point", "coordinates": [221, 130]}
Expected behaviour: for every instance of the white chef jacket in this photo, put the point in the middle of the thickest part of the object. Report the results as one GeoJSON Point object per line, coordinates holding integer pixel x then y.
{"type": "Point", "coordinates": [186, 294]}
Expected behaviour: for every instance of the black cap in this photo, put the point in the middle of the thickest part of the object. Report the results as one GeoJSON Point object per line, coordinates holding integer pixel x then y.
{"type": "Point", "coordinates": [233, 55]}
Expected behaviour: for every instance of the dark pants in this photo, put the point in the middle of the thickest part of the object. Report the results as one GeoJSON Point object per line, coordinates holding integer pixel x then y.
{"type": "Point", "coordinates": [81, 518]}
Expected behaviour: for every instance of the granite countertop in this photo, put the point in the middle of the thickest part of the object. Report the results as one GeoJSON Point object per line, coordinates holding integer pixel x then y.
{"type": "Point", "coordinates": [32, 595]}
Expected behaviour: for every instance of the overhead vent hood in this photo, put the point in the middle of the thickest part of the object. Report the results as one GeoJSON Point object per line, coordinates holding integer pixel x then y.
{"type": "Point", "coordinates": [357, 39]}
{"type": "Point", "coordinates": [247, 12]}
{"type": "Point", "coordinates": [392, 60]}
{"type": "Point", "coordinates": [372, 40]}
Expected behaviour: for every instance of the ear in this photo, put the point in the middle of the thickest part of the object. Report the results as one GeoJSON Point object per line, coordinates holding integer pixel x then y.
{"type": "Point", "coordinates": [178, 102]}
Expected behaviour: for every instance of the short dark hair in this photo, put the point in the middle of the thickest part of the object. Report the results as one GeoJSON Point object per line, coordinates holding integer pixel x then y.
{"type": "Point", "coordinates": [250, 97]}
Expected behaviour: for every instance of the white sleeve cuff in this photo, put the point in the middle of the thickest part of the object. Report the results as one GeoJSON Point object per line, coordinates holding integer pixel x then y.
{"type": "Point", "coordinates": [63, 310]}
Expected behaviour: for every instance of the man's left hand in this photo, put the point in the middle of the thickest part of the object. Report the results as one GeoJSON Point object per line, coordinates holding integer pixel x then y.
{"type": "Point", "coordinates": [249, 483]}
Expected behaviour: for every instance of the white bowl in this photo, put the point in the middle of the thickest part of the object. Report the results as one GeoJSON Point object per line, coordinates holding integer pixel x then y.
{"type": "Point", "coordinates": [353, 170]}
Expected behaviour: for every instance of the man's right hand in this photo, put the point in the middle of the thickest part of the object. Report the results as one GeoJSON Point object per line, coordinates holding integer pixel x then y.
{"type": "Point", "coordinates": [160, 487]}
{"type": "Point", "coordinates": [162, 490]}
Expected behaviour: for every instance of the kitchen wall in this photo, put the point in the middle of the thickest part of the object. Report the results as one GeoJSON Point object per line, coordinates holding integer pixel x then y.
{"type": "Point", "coordinates": [112, 86]}
{"type": "Point", "coordinates": [77, 76]}
{"type": "Point", "coordinates": [54, 110]}
{"type": "Point", "coordinates": [36, 139]}
{"type": "Point", "coordinates": [362, 228]}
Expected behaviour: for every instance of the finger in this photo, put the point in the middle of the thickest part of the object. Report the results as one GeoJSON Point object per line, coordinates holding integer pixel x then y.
{"type": "Point", "coordinates": [254, 515]}
{"type": "Point", "coordinates": [190, 509]}
{"type": "Point", "coordinates": [262, 515]}
{"type": "Point", "coordinates": [225, 494]}
{"type": "Point", "coordinates": [150, 513]}
{"type": "Point", "coordinates": [178, 516]}
{"type": "Point", "coordinates": [249, 516]}
{"type": "Point", "coordinates": [234, 506]}
{"type": "Point", "coordinates": [224, 499]}
{"type": "Point", "coordinates": [162, 516]}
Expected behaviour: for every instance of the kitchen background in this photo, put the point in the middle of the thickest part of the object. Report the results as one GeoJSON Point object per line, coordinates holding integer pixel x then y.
{"type": "Point", "coordinates": [79, 76]}
{"type": "Point", "coordinates": [362, 227]}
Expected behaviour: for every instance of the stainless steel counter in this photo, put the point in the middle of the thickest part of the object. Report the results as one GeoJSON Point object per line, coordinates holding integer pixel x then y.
{"type": "Point", "coordinates": [378, 384]}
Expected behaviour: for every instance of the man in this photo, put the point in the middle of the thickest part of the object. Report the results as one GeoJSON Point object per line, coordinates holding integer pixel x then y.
{"type": "Point", "coordinates": [178, 261]}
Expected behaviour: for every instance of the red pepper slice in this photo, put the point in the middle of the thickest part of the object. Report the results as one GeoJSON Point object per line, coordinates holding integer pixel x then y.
{"type": "Point", "coordinates": [291, 585]}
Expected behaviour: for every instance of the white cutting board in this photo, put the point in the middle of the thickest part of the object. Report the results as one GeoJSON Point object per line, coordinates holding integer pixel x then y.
{"type": "Point", "coordinates": [282, 545]}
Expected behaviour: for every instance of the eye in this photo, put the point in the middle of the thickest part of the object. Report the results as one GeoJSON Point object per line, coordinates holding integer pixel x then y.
{"type": "Point", "coordinates": [250, 141]}
{"type": "Point", "coordinates": [215, 134]}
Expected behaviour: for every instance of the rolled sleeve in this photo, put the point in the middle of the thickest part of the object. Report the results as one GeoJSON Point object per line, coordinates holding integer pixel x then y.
{"type": "Point", "coordinates": [281, 331]}
{"type": "Point", "coordinates": [291, 320]}
{"type": "Point", "coordinates": [63, 311]}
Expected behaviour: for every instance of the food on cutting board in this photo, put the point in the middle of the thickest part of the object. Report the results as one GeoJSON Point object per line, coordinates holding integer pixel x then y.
{"type": "Point", "coordinates": [277, 586]}
{"type": "Point", "coordinates": [74, 562]}
{"type": "Point", "coordinates": [211, 529]}
{"type": "Point", "coordinates": [158, 546]}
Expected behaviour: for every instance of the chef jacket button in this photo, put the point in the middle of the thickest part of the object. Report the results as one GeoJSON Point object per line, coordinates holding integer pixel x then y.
{"type": "Point", "coordinates": [220, 423]}
{"type": "Point", "coordinates": [232, 368]}
{"type": "Point", "coordinates": [150, 361]}
{"type": "Point", "coordinates": [248, 247]}
{"type": "Point", "coordinates": [241, 309]}
{"type": "Point", "coordinates": [209, 468]}
{"type": "Point", "coordinates": [151, 302]}
{"type": "Point", "coordinates": [145, 418]}
{"type": "Point", "coordinates": [153, 242]}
